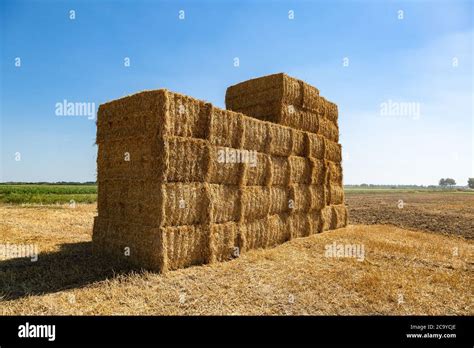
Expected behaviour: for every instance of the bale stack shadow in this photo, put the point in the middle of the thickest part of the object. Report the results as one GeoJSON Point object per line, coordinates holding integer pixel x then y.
{"type": "Point", "coordinates": [72, 266]}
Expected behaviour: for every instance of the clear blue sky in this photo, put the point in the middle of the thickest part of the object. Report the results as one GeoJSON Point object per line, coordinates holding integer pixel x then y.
{"type": "Point", "coordinates": [402, 60]}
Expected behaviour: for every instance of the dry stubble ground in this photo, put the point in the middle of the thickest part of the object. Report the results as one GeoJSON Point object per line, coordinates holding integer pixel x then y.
{"type": "Point", "coordinates": [404, 272]}
{"type": "Point", "coordinates": [450, 213]}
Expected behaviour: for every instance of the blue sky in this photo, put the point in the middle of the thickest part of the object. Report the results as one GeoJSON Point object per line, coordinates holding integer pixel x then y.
{"type": "Point", "coordinates": [424, 58]}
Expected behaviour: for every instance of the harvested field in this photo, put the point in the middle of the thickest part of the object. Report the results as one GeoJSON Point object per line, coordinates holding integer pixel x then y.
{"type": "Point", "coordinates": [403, 272]}
{"type": "Point", "coordinates": [444, 212]}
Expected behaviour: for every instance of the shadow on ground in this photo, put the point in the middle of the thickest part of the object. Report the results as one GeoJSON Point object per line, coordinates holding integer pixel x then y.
{"type": "Point", "coordinates": [73, 266]}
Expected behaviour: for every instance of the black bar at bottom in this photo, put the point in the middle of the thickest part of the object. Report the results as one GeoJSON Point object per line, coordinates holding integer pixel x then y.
{"type": "Point", "coordinates": [395, 330]}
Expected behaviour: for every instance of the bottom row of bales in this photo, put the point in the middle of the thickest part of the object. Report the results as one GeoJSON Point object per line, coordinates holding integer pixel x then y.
{"type": "Point", "coordinates": [173, 247]}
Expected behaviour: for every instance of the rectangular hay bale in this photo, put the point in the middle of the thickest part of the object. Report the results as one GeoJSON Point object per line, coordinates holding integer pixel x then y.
{"type": "Point", "coordinates": [316, 144]}
{"type": "Point", "coordinates": [263, 233]}
{"type": "Point", "coordinates": [335, 194]}
{"type": "Point", "coordinates": [266, 89]}
{"type": "Point", "coordinates": [333, 151]}
{"type": "Point", "coordinates": [127, 242]}
{"type": "Point", "coordinates": [334, 172]}
{"type": "Point", "coordinates": [334, 217]}
{"type": "Point", "coordinates": [340, 215]}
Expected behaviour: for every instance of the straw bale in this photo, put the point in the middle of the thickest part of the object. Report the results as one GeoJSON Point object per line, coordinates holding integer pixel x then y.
{"type": "Point", "coordinates": [258, 202]}
{"type": "Point", "coordinates": [336, 194]}
{"type": "Point", "coordinates": [281, 170]}
{"type": "Point", "coordinates": [220, 172]}
{"type": "Point", "coordinates": [132, 116]}
{"type": "Point", "coordinates": [124, 241]}
{"type": "Point", "coordinates": [316, 145]}
{"type": "Point", "coordinates": [187, 116]}
{"type": "Point", "coordinates": [334, 216]}
{"type": "Point", "coordinates": [318, 171]}
{"type": "Point", "coordinates": [225, 203]}
{"type": "Point", "coordinates": [300, 143]}
{"type": "Point", "coordinates": [318, 196]}
{"type": "Point", "coordinates": [263, 233]}
{"type": "Point", "coordinates": [277, 87]}
{"type": "Point", "coordinates": [183, 204]}
{"type": "Point", "coordinates": [252, 235]}
{"type": "Point", "coordinates": [188, 204]}
{"type": "Point", "coordinates": [335, 172]}
{"type": "Point", "coordinates": [185, 246]}
{"type": "Point", "coordinates": [226, 128]}
{"type": "Point", "coordinates": [278, 230]}
{"type": "Point", "coordinates": [316, 221]}
{"type": "Point", "coordinates": [189, 160]}
{"type": "Point", "coordinates": [327, 220]}
{"type": "Point", "coordinates": [299, 119]}
{"type": "Point", "coordinates": [256, 135]}
{"type": "Point", "coordinates": [125, 158]}
{"type": "Point", "coordinates": [191, 245]}
{"type": "Point", "coordinates": [279, 200]}
{"type": "Point", "coordinates": [255, 98]}
{"type": "Point", "coordinates": [299, 225]}
{"type": "Point", "coordinates": [257, 175]}
{"type": "Point", "coordinates": [333, 151]}
{"type": "Point", "coordinates": [331, 112]}
{"type": "Point", "coordinates": [328, 129]}
{"type": "Point", "coordinates": [137, 124]}
{"type": "Point", "coordinates": [256, 84]}
{"type": "Point", "coordinates": [281, 140]}
{"type": "Point", "coordinates": [340, 215]}
{"type": "Point", "coordinates": [121, 199]}
{"type": "Point", "coordinates": [302, 197]}
{"type": "Point", "coordinates": [301, 170]}
{"type": "Point", "coordinates": [224, 241]}
{"type": "Point", "coordinates": [255, 202]}
{"type": "Point", "coordinates": [306, 198]}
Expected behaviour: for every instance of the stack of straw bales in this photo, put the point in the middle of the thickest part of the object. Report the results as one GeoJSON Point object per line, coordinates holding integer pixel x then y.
{"type": "Point", "coordinates": [182, 182]}
{"type": "Point", "coordinates": [284, 100]}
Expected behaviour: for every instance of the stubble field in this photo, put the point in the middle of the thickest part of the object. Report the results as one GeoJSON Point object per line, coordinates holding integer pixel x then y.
{"type": "Point", "coordinates": [417, 260]}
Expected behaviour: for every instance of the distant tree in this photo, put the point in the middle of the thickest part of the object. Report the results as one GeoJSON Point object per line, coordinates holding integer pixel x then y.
{"type": "Point", "coordinates": [442, 182]}
{"type": "Point", "coordinates": [364, 185]}
{"type": "Point", "coordinates": [470, 183]}
{"type": "Point", "coordinates": [450, 182]}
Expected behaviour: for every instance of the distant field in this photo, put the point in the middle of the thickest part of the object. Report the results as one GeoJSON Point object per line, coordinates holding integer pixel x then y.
{"type": "Point", "coordinates": [357, 190]}
{"type": "Point", "coordinates": [47, 194]}
{"type": "Point", "coordinates": [447, 212]}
